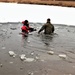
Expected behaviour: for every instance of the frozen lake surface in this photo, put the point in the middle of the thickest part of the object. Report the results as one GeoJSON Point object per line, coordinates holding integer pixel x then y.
{"type": "Point", "coordinates": [13, 12]}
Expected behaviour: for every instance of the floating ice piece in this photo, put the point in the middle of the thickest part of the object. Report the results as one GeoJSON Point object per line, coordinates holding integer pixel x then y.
{"type": "Point", "coordinates": [36, 58]}
{"type": "Point", "coordinates": [62, 56]}
{"type": "Point", "coordinates": [11, 53]}
{"type": "Point", "coordinates": [22, 57]}
{"type": "Point", "coordinates": [1, 65]}
{"type": "Point", "coordinates": [29, 59]}
{"type": "Point", "coordinates": [50, 52]}
{"type": "Point", "coordinates": [30, 73]}
{"type": "Point", "coordinates": [11, 62]}
{"type": "Point", "coordinates": [30, 33]}
{"type": "Point", "coordinates": [32, 53]}
{"type": "Point", "coordinates": [28, 41]}
{"type": "Point", "coordinates": [37, 27]}
{"type": "Point", "coordinates": [14, 55]}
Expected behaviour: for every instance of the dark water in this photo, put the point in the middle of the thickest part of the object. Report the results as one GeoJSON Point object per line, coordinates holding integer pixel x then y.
{"type": "Point", "coordinates": [62, 41]}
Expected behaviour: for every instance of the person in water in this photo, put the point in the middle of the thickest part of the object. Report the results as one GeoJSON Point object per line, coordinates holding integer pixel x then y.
{"type": "Point", "coordinates": [47, 27]}
{"type": "Point", "coordinates": [26, 28]}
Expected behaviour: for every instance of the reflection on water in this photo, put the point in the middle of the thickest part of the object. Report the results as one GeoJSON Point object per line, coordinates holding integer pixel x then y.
{"type": "Point", "coordinates": [46, 39]}
{"type": "Point", "coordinates": [24, 41]}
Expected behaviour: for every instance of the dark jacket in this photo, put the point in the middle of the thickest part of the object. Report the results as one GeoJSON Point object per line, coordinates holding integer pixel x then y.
{"type": "Point", "coordinates": [48, 28]}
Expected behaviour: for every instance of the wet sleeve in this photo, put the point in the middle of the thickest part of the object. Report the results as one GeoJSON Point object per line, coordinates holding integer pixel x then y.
{"type": "Point", "coordinates": [42, 28]}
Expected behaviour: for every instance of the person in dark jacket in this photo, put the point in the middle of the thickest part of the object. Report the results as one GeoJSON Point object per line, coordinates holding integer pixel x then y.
{"type": "Point", "coordinates": [47, 27]}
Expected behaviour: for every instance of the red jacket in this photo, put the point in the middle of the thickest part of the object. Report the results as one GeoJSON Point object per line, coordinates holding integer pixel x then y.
{"type": "Point", "coordinates": [25, 28]}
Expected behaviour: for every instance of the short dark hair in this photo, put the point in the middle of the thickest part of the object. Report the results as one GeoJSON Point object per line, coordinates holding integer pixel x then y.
{"type": "Point", "coordinates": [48, 19]}
{"type": "Point", "coordinates": [26, 21]}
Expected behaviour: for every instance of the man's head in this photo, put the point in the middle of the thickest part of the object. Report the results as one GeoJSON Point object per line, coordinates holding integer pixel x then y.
{"type": "Point", "coordinates": [48, 20]}
{"type": "Point", "coordinates": [26, 23]}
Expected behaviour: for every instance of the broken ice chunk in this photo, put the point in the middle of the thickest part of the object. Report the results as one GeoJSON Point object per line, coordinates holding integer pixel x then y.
{"type": "Point", "coordinates": [62, 56]}
{"type": "Point", "coordinates": [11, 62]}
{"type": "Point", "coordinates": [30, 73]}
{"type": "Point", "coordinates": [50, 52]}
{"type": "Point", "coordinates": [11, 53]}
{"type": "Point", "coordinates": [32, 53]}
{"type": "Point", "coordinates": [37, 58]}
{"type": "Point", "coordinates": [22, 57]}
{"type": "Point", "coordinates": [29, 59]}
{"type": "Point", "coordinates": [28, 41]}
{"type": "Point", "coordinates": [30, 33]}
{"type": "Point", "coordinates": [1, 65]}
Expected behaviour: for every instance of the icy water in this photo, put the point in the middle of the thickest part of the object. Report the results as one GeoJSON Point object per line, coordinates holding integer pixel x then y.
{"type": "Point", "coordinates": [35, 46]}
{"type": "Point", "coordinates": [37, 54]}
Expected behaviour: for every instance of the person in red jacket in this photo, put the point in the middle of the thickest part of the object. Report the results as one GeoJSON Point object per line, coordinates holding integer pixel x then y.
{"type": "Point", "coordinates": [26, 28]}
